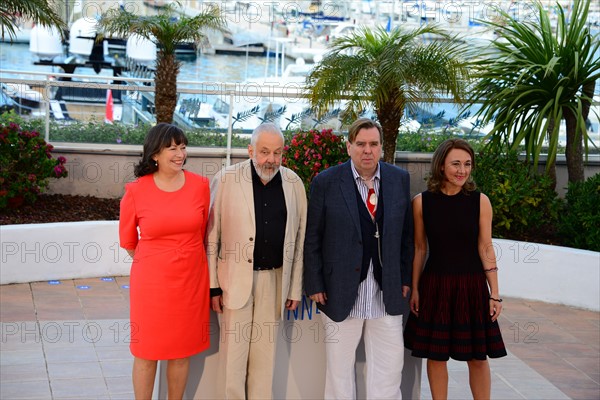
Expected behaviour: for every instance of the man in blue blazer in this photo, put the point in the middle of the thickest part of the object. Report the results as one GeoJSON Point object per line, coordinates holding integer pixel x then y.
{"type": "Point", "coordinates": [358, 253]}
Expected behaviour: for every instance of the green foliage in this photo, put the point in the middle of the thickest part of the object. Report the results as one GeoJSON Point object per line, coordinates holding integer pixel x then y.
{"type": "Point", "coordinates": [534, 76]}
{"type": "Point", "coordinates": [426, 142]}
{"type": "Point", "coordinates": [31, 124]}
{"type": "Point", "coordinates": [168, 28]}
{"type": "Point", "coordinates": [525, 204]}
{"type": "Point", "coordinates": [387, 72]}
{"type": "Point", "coordinates": [580, 221]}
{"type": "Point", "coordinates": [26, 165]}
{"type": "Point", "coordinates": [118, 133]}
{"type": "Point", "coordinates": [42, 12]}
{"type": "Point", "coordinates": [312, 152]}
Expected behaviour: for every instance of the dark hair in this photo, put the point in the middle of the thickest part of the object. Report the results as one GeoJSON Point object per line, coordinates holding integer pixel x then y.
{"type": "Point", "coordinates": [363, 123]}
{"type": "Point", "coordinates": [158, 137]}
{"type": "Point", "coordinates": [435, 180]}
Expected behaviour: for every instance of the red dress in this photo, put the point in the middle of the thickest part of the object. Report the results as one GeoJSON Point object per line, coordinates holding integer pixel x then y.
{"type": "Point", "coordinates": [169, 284]}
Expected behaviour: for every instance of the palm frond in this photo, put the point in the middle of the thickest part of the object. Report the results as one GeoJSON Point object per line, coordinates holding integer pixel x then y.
{"type": "Point", "coordinates": [536, 74]}
{"type": "Point", "coordinates": [39, 11]}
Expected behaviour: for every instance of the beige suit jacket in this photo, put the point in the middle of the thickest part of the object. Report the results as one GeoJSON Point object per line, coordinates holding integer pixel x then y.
{"type": "Point", "coordinates": [231, 233]}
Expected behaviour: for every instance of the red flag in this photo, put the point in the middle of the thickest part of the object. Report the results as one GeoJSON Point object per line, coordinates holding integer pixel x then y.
{"type": "Point", "coordinates": [109, 107]}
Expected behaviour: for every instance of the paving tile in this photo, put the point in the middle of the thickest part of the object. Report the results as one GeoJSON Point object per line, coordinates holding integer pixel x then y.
{"type": "Point", "coordinates": [20, 332]}
{"type": "Point", "coordinates": [517, 307]}
{"type": "Point", "coordinates": [591, 338]}
{"type": "Point", "coordinates": [79, 388]}
{"type": "Point", "coordinates": [116, 332]}
{"type": "Point", "coordinates": [74, 370]}
{"type": "Point", "coordinates": [16, 293]}
{"type": "Point", "coordinates": [65, 313]}
{"type": "Point", "coordinates": [18, 312]}
{"type": "Point", "coordinates": [567, 350]}
{"type": "Point", "coordinates": [48, 289]}
{"type": "Point", "coordinates": [106, 311]}
{"type": "Point", "coordinates": [16, 303]}
{"type": "Point", "coordinates": [116, 368]}
{"type": "Point", "coordinates": [575, 323]}
{"type": "Point", "coordinates": [554, 351]}
{"type": "Point", "coordinates": [538, 330]}
{"type": "Point", "coordinates": [110, 353]}
{"type": "Point", "coordinates": [67, 333]}
{"type": "Point", "coordinates": [533, 351]}
{"type": "Point", "coordinates": [23, 372]}
{"type": "Point", "coordinates": [120, 386]}
{"type": "Point", "coordinates": [55, 355]}
{"type": "Point", "coordinates": [25, 390]}
{"type": "Point", "coordinates": [567, 378]}
{"type": "Point", "coordinates": [583, 393]}
{"type": "Point", "coordinates": [20, 357]}
{"type": "Point", "coordinates": [20, 335]}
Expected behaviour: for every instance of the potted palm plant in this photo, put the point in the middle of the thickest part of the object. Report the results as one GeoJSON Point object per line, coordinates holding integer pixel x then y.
{"type": "Point", "coordinates": [389, 71]}
{"type": "Point", "coordinates": [537, 75]}
{"type": "Point", "coordinates": [167, 29]}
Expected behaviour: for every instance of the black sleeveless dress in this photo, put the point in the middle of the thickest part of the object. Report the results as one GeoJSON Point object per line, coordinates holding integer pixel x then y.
{"type": "Point", "coordinates": [454, 319]}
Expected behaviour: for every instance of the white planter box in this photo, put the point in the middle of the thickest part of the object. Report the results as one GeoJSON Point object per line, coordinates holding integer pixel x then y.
{"type": "Point", "coordinates": [551, 274]}
{"type": "Point", "coordinates": [41, 252]}
{"type": "Point", "coordinates": [66, 250]}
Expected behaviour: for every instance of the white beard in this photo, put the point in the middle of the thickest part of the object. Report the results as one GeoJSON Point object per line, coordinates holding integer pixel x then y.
{"type": "Point", "coordinates": [265, 176]}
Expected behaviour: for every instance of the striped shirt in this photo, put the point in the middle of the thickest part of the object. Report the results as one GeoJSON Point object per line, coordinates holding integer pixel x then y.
{"type": "Point", "coordinates": [369, 302]}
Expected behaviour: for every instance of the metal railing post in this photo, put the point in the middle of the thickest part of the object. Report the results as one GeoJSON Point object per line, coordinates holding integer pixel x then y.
{"type": "Point", "coordinates": [229, 130]}
{"type": "Point", "coordinates": [47, 110]}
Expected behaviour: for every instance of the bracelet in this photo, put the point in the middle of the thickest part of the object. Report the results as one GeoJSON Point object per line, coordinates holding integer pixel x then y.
{"type": "Point", "coordinates": [491, 269]}
{"type": "Point", "coordinates": [498, 300]}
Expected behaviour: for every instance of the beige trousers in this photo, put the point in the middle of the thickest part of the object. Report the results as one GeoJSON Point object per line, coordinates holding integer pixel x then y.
{"type": "Point", "coordinates": [248, 337]}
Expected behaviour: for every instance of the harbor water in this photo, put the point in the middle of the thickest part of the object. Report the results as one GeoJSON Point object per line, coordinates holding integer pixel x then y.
{"type": "Point", "coordinates": [204, 68]}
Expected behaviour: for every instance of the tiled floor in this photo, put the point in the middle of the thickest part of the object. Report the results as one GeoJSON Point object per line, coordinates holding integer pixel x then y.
{"type": "Point", "coordinates": [68, 340]}
{"type": "Point", "coordinates": [65, 340]}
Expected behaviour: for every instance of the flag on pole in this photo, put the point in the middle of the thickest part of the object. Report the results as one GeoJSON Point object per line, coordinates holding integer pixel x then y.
{"type": "Point", "coordinates": [108, 118]}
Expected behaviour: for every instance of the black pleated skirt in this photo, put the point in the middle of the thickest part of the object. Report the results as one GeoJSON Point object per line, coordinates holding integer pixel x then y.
{"type": "Point", "coordinates": [454, 319]}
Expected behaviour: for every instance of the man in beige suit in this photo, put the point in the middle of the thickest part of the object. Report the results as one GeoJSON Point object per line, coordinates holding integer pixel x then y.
{"type": "Point", "coordinates": [255, 243]}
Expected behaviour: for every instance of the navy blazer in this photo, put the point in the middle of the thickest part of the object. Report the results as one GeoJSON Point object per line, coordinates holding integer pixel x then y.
{"type": "Point", "coordinates": [333, 244]}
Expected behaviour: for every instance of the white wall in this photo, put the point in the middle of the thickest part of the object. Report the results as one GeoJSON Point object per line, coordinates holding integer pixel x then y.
{"type": "Point", "coordinates": [41, 252]}
{"type": "Point", "coordinates": [102, 170]}
{"type": "Point", "coordinates": [552, 274]}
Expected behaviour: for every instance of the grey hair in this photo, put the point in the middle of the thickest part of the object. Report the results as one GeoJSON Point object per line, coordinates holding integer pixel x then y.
{"type": "Point", "coordinates": [266, 127]}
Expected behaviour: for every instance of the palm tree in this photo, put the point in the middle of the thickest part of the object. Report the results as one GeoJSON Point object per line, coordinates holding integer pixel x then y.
{"type": "Point", "coordinates": [390, 71]}
{"type": "Point", "coordinates": [537, 75]}
{"type": "Point", "coordinates": [167, 30]}
{"type": "Point", "coordinates": [39, 11]}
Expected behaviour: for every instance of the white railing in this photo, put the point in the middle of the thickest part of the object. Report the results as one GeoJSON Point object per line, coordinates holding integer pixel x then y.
{"type": "Point", "coordinates": [134, 89]}
{"type": "Point", "coordinates": [137, 93]}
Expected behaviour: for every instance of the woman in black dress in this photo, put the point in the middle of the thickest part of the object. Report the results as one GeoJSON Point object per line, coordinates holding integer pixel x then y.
{"type": "Point", "coordinates": [455, 300]}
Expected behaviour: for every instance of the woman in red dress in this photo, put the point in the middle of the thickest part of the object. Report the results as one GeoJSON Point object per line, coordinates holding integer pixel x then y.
{"type": "Point", "coordinates": [162, 225]}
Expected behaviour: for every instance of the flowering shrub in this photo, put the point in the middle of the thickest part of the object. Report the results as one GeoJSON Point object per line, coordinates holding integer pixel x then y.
{"type": "Point", "coordinates": [26, 164]}
{"type": "Point", "coordinates": [311, 152]}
